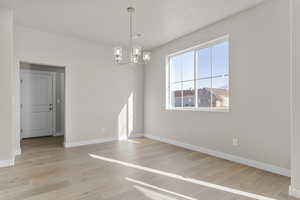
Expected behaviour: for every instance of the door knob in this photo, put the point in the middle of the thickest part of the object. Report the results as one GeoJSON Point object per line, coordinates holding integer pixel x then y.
{"type": "Point", "coordinates": [50, 109]}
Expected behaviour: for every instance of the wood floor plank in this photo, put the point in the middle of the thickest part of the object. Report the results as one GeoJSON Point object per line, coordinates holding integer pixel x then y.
{"type": "Point", "coordinates": [137, 169]}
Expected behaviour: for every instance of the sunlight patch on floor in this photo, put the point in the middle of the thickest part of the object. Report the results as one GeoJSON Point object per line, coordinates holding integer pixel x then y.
{"type": "Point", "coordinates": [179, 177]}
{"type": "Point", "coordinates": [156, 188]}
{"type": "Point", "coordinates": [133, 141]}
{"type": "Point", "coordinates": [153, 194]}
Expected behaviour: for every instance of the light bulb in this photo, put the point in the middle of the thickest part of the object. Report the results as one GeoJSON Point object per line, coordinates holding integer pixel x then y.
{"type": "Point", "coordinates": [118, 51]}
{"type": "Point", "coordinates": [136, 51]}
{"type": "Point", "coordinates": [118, 54]}
{"type": "Point", "coordinates": [134, 59]}
{"type": "Point", "coordinates": [146, 56]}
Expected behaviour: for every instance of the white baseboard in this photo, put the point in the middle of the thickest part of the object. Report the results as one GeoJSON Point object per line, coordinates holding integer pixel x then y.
{"type": "Point", "coordinates": [294, 192]}
{"type": "Point", "coordinates": [237, 159]}
{"type": "Point", "coordinates": [58, 134]}
{"type": "Point", "coordinates": [98, 141]}
{"type": "Point", "coordinates": [18, 152]}
{"type": "Point", "coordinates": [7, 163]}
{"type": "Point", "coordinates": [138, 135]}
{"type": "Point", "coordinates": [87, 142]}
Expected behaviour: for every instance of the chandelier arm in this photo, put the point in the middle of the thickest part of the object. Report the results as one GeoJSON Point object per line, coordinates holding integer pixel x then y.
{"type": "Point", "coordinates": [123, 63]}
{"type": "Point", "coordinates": [129, 62]}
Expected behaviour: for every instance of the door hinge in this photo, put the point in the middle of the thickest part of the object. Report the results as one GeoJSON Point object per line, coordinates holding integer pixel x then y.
{"type": "Point", "coordinates": [21, 106]}
{"type": "Point", "coordinates": [21, 130]}
{"type": "Point", "coordinates": [21, 80]}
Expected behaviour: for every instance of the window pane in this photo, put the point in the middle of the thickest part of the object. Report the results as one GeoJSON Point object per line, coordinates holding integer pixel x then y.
{"type": "Point", "coordinates": [220, 59]}
{"type": "Point", "coordinates": [187, 61]}
{"type": "Point", "coordinates": [204, 63]}
{"type": "Point", "coordinates": [211, 74]}
{"type": "Point", "coordinates": [175, 69]}
{"type": "Point", "coordinates": [176, 95]}
{"type": "Point", "coordinates": [188, 94]}
{"type": "Point", "coordinates": [220, 93]}
{"type": "Point", "coordinates": [204, 95]}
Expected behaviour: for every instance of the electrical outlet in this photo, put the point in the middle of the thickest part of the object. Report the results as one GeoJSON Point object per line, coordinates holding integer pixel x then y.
{"type": "Point", "coordinates": [235, 142]}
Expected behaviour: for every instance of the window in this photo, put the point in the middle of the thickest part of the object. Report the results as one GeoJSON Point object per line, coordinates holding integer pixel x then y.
{"type": "Point", "coordinates": [198, 78]}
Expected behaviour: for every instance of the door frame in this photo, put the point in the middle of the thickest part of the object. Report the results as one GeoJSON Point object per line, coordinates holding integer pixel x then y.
{"type": "Point", "coordinates": [17, 101]}
{"type": "Point", "coordinates": [52, 74]}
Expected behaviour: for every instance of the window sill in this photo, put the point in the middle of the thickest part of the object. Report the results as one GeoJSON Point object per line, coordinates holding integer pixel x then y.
{"type": "Point", "coordinates": [199, 110]}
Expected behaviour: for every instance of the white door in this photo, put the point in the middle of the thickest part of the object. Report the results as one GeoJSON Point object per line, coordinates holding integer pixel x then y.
{"type": "Point", "coordinates": [36, 104]}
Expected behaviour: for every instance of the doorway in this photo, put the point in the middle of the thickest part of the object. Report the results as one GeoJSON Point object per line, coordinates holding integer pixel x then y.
{"type": "Point", "coordinates": [42, 99]}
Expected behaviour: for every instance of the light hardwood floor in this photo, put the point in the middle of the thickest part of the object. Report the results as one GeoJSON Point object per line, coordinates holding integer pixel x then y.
{"type": "Point", "coordinates": [137, 169]}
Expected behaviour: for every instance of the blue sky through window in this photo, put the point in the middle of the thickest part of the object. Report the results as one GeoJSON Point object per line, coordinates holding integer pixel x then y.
{"type": "Point", "coordinates": [212, 61]}
{"type": "Point", "coordinates": [212, 70]}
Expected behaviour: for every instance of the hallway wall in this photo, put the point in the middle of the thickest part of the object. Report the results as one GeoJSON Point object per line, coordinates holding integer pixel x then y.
{"type": "Point", "coordinates": [6, 96]}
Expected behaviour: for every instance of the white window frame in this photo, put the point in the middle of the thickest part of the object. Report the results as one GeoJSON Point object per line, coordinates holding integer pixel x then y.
{"type": "Point", "coordinates": [168, 84]}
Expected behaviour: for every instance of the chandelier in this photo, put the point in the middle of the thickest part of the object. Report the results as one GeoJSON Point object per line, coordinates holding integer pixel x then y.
{"type": "Point", "coordinates": [135, 53]}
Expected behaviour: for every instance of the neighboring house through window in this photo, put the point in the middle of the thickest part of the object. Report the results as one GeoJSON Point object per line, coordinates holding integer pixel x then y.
{"type": "Point", "coordinates": [198, 78]}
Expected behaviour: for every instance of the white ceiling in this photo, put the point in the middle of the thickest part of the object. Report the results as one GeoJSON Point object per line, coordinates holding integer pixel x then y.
{"type": "Point", "coordinates": [106, 21]}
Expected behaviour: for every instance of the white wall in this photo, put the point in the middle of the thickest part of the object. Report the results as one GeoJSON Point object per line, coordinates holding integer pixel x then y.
{"type": "Point", "coordinates": [295, 181]}
{"type": "Point", "coordinates": [259, 94]}
{"type": "Point", "coordinates": [6, 63]}
{"type": "Point", "coordinates": [96, 88]}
